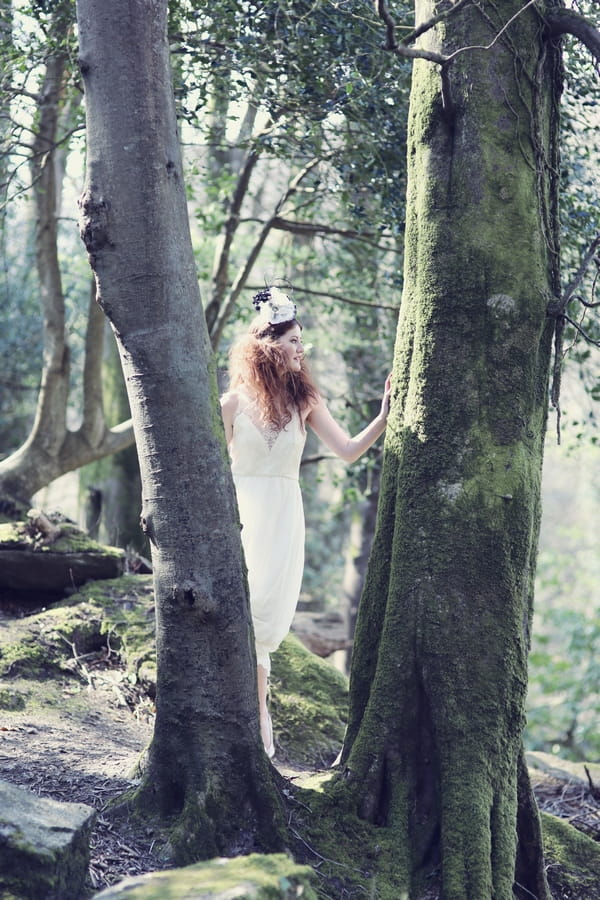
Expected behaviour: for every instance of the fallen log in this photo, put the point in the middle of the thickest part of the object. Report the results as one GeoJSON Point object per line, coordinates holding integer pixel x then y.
{"type": "Point", "coordinates": [47, 559]}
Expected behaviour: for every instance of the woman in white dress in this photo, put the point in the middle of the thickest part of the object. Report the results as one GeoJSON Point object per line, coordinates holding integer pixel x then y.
{"type": "Point", "coordinates": [271, 399]}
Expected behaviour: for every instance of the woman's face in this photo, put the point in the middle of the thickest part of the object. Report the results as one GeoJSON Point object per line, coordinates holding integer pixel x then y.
{"type": "Point", "coordinates": [291, 344]}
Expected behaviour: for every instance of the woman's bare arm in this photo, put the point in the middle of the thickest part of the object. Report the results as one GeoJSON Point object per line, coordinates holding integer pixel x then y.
{"type": "Point", "coordinates": [339, 441]}
{"type": "Point", "coordinates": [229, 405]}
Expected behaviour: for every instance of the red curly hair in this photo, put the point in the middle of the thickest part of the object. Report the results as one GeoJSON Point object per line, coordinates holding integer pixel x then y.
{"type": "Point", "coordinates": [258, 364]}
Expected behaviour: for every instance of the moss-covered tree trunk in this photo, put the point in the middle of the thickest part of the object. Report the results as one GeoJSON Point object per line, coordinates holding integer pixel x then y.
{"type": "Point", "coordinates": [207, 772]}
{"type": "Point", "coordinates": [439, 676]}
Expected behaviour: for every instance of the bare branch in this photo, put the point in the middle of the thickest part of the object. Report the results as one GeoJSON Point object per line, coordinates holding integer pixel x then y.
{"type": "Point", "coordinates": [567, 21]}
{"type": "Point", "coordinates": [586, 303]}
{"type": "Point", "coordinates": [440, 59]}
{"type": "Point", "coordinates": [579, 275]}
{"type": "Point", "coordinates": [309, 228]}
{"type": "Point", "coordinates": [557, 309]}
{"type": "Point", "coordinates": [579, 330]}
{"type": "Point", "coordinates": [401, 49]}
{"type": "Point", "coordinates": [240, 280]}
{"type": "Point", "coordinates": [430, 23]}
{"type": "Point", "coordinates": [340, 299]}
{"type": "Point", "coordinates": [311, 460]}
{"type": "Point", "coordinates": [233, 220]}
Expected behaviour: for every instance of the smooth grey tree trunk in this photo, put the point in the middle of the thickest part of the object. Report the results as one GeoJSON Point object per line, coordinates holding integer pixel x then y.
{"type": "Point", "coordinates": [207, 772]}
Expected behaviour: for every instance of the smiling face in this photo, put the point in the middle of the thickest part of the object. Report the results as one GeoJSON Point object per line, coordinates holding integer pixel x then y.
{"type": "Point", "coordinates": [291, 344]}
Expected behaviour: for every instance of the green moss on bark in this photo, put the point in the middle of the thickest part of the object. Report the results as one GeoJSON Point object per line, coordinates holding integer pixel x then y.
{"type": "Point", "coordinates": [439, 668]}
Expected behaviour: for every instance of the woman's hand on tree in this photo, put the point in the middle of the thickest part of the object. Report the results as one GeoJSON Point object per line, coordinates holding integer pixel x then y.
{"type": "Point", "coordinates": [387, 392]}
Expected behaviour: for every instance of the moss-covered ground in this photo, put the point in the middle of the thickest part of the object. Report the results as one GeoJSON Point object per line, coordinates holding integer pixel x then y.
{"type": "Point", "coordinates": [309, 700]}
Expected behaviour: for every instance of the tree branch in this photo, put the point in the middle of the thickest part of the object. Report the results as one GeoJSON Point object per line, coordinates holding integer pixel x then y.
{"type": "Point", "coordinates": [558, 310]}
{"type": "Point", "coordinates": [240, 280]}
{"type": "Point", "coordinates": [311, 460]}
{"type": "Point", "coordinates": [401, 49]}
{"type": "Point", "coordinates": [233, 220]}
{"type": "Point", "coordinates": [567, 21]}
{"type": "Point", "coordinates": [341, 299]}
{"type": "Point", "coordinates": [579, 275]}
{"type": "Point", "coordinates": [496, 38]}
{"type": "Point", "coordinates": [579, 330]}
{"type": "Point", "coordinates": [438, 58]}
{"type": "Point", "coordinates": [310, 228]}
{"type": "Point", "coordinates": [426, 26]}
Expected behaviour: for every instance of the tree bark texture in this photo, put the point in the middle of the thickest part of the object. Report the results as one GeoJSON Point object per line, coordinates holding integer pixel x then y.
{"type": "Point", "coordinates": [439, 672]}
{"type": "Point", "coordinates": [207, 771]}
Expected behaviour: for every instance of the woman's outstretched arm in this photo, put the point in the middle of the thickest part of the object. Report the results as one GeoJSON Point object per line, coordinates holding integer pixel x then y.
{"type": "Point", "coordinates": [339, 442]}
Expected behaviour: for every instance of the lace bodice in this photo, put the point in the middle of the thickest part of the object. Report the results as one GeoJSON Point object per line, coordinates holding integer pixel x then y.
{"type": "Point", "coordinates": [259, 450]}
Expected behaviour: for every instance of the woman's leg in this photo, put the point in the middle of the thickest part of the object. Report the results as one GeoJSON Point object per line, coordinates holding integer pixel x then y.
{"type": "Point", "coordinates": [266, 728]}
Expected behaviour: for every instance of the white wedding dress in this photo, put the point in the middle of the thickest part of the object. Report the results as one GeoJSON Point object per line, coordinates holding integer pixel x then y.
{"type": "Point", "coordinates": [265, 464]}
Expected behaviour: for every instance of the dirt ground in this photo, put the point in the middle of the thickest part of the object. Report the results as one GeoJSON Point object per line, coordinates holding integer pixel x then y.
{"type": "Point", "coordinates": [81, 743]}
{"type": "Point", "coordinates": [86, 757]}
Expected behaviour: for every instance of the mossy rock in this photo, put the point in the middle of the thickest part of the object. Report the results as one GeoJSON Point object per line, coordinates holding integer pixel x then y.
{"type": "Point", "coordinates": [309, 706]}
{"type": "Point", "coordinates": [117, 613]}
{"type": "Point", "coordinates": [573, 860]}
{"type": "Point", "coordinates": [254, 877]}
{"type": "Point", "coordinates": [45, 845]}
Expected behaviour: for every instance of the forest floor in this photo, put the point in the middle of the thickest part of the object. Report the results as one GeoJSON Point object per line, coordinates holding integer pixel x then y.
{"type": "Point", "coordinates": [81, 743]}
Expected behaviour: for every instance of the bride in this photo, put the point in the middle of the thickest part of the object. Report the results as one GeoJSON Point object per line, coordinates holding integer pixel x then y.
{"type": "Point", "coordinates": [272, 397]}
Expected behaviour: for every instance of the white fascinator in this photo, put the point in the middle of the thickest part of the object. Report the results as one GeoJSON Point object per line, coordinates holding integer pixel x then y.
{"type": "Point", "coordinates": [273, 306]}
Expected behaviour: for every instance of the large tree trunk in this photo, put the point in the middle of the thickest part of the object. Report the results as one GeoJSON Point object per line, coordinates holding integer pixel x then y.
{"type": "Point", "coordinates": [207, 771]}
{"type": "Point", "coordinates": [439, 672]}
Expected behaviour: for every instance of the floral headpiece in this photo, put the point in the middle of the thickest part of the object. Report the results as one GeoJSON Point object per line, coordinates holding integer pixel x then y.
{"type": "Point", "coordinates": [273, 306]}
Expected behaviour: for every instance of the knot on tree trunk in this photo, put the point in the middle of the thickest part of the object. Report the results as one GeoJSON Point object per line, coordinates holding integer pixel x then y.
{"type": "Point", "coordinates": [191, 594]}
{"type": "Point", "coordinates": [147, 527]}
{"type": "Point", "coordinates": [94, 224]}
